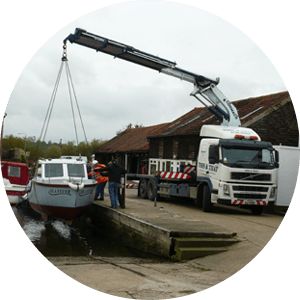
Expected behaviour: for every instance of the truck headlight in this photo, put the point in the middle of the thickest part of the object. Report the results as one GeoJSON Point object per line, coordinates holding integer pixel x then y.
{"type": "Point", "coordinates": [273, 192]}
{"type": "Point", "coordinates": [226, 189]}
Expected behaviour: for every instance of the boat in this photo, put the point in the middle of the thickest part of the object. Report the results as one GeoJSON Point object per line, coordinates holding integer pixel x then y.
{"type": "Point", "coordinates": [16, 180]}
{"type": "Point", "coordinates": [61, 189]}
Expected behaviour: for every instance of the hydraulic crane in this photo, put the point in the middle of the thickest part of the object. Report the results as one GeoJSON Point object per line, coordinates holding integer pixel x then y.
{"type": "Point", "coordinates": [233, 166]}
{"type": "Point", "coordinates": [212, 97]}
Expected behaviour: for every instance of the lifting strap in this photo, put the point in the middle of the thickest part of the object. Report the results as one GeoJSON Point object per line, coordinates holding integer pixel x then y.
{"type": "Point", "coordinates": [64, 62]}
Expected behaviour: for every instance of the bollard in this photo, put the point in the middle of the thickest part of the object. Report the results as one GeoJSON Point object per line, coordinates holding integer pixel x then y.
{"type": "Point", "coordinates": [156, 177]}
{"type": "Point", "coordinates": [123, 192]}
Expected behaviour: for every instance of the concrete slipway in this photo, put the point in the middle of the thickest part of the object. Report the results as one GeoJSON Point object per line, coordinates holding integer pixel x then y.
{"type": "Point", "coordinates": [150, 279]}
{"type": "Point", "coordinates": [159, 231]}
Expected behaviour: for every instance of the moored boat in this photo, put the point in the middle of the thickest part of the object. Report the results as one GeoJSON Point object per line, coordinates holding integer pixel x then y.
{"type": "Point", "coordinates": [61, 189]}
{"type": "Point", "coordinates": [15, 179]}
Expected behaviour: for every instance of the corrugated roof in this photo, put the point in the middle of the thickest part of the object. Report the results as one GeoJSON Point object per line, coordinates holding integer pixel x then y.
{"type": "Point", "coordinates": [248, 109]}
{"type": "Point", "coordinates": [131, 140]}
{"type": "Point", "coordinates": [135, 140]}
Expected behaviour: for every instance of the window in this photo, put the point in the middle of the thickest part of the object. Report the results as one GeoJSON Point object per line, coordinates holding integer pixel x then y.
{"type": "Point", "coordinates": [75, 170]}
{"type": "Point", "coordinates": [267, 156]}
{"type": "Point", "coordinates": [14, 171]}
{"type": "Point", "coordinates": [53, 170]}
{"type": "Point", "coordinates": [242, 157]}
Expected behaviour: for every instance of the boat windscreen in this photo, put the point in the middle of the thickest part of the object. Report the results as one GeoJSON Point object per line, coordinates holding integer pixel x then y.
{"type": "Point", "coordinates": [14, 171]}
{"type": "Point", "coordinates": [53, 170]}
{"type": "Point", "coordinates": [75, 170]}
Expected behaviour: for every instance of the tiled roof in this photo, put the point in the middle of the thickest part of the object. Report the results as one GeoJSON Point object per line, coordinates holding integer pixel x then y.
{"type": "Point", "coordinates": [250, 110]}
{"type": "Point", "coordinates": [131, 140]}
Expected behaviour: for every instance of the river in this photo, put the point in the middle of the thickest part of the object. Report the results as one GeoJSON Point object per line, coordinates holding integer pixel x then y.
{"type": "Point", "coordinates": [55, 238]}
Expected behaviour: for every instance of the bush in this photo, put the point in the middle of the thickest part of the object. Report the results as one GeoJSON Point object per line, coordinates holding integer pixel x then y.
{"type": "Point", "coordinates": [23, 159]}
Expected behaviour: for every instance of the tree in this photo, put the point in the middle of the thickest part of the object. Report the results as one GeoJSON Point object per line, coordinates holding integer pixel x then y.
{"type": "Point", "coordinates": [53, 152]}
{"type": "Point", "coordinates": [84, 149]}
{"type": "Point", "coordinates": [69, 149]}
{"type": "Point", "coordinates": [96, 143]}
{"type": "Point", "coordinates": [129, 126]}
{"type": "Point", "coordinates": [40, 149]}
{"type": "Point", "coordinates": [12, 142]}
{"type": "Point", "coordinates": [23, 159]}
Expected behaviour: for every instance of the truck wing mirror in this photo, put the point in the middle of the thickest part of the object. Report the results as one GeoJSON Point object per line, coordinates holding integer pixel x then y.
{"type": "Point", "coordinates": [277, 158]}
{"type": "Point", "coordinates": [213, 154]}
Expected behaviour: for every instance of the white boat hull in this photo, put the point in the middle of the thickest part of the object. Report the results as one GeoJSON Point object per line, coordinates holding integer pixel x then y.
{"type": "Point", "coordinates": [14, 192]}
{"type": "Point", "coordinates": [14, 199]}
{"type": "Point", "coordinates": [58, 199]}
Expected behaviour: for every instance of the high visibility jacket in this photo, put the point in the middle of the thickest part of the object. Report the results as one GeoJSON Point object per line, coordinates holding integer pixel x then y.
{"type": "Point", "coordinates": [98, 176]}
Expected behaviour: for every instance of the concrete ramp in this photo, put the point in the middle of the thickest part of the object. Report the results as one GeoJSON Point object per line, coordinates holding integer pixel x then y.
{"type": "Point", "coordinates": [155, 231]}
{"type": "Point", "coordinates": [192, 247]}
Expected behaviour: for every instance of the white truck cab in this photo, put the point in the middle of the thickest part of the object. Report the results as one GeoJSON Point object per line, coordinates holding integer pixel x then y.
{"type": "Point", "coordinates": [235, 168]}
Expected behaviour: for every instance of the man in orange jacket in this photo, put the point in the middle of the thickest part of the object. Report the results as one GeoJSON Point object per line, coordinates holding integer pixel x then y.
{"type": "Point", "coordinates": [99, 195]}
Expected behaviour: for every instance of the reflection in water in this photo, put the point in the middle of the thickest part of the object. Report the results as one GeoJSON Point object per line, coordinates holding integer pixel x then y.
{"type": "Point", "coordinates": [55, 238]}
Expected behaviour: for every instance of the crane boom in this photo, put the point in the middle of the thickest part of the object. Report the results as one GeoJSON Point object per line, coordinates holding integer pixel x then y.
{"type": "Point", "coordinates": [203, 86]}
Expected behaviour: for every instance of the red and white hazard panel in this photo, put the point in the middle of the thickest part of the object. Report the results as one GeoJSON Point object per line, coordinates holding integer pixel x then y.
{"type": "Point", "coordinates": [174, 175]}
{"type": "Point", "coordinates": [249, 202]}
{"type": "Point", "coordinates": [189, 169]}
{"type": "Point", "coordinates": [131, 186]}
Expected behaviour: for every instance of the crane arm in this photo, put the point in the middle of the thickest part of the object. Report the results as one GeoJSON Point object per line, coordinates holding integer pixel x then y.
{"type": "Point", "coordinates": [203, 86]}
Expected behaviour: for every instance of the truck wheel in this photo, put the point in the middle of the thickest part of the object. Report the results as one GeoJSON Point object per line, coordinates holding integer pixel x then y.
{"type": "Point", "coordinates": [199, 199]}
{"type": "Point", "coordinates": [151, 189]}
{"type": "Point", "coordinates": [256, 210]}
{"type": "Point", "coordinates": [143, 189]}
{"type": "Point", "coordinates": [207, 205]}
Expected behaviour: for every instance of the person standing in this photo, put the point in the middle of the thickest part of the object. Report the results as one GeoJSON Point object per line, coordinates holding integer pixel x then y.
{"type": "Point", "coordinates": [114, 173]}
{"type": "Point", "coordinates": [99, 194]}
{"type": "Point", "coordinates": [101, 182]}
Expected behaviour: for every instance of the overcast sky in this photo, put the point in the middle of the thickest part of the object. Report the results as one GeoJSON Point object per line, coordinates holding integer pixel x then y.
{"type": "Point", "coordinates": [112, 93]}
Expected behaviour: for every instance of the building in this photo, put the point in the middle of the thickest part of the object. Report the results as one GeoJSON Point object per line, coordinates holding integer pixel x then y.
{"type": "Point", "coordinates": [132, 143]}
{"type": "Point", "coordinates": [271, 116]}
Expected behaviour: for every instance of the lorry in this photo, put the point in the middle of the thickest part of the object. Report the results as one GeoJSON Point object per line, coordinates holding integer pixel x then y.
{"type": "Point", "coordinates": [233, 167]}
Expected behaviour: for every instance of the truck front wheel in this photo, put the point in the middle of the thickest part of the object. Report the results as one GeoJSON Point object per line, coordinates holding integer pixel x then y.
{"type": "Point", "coordinates": [207, 205]}
{"type": "Point", "coordinates": [199, 199]}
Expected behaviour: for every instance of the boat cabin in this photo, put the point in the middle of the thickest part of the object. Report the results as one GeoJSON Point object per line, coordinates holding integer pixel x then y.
{"type": "Point", "coordinates": [61, 169]}
{"type": "Point", "coordinates": [16, 173]}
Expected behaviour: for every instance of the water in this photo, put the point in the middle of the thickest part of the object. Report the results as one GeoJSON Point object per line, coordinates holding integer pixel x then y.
{"type": "Point", "coordinates": [55, 238]}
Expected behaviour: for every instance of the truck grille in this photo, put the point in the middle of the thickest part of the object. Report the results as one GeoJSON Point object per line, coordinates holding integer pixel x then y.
{"type": "Point", "coordinates": [249, 188]}
{"type": "Point", "coordinates": [250, 196]}
{"type": "Point", "coordinates": [248, 176]}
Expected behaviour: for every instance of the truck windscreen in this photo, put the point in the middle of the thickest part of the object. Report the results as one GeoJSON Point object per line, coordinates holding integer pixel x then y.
{"type": "Point", "coordinates": [238, 157]}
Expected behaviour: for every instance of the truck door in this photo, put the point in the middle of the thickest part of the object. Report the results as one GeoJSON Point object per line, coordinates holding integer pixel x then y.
{"type": "Point", "coordinates": [202, 159]}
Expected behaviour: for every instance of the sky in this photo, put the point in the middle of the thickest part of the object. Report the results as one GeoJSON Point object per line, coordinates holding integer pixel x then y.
{"type": "Point", "coordinates": [112, 93]}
